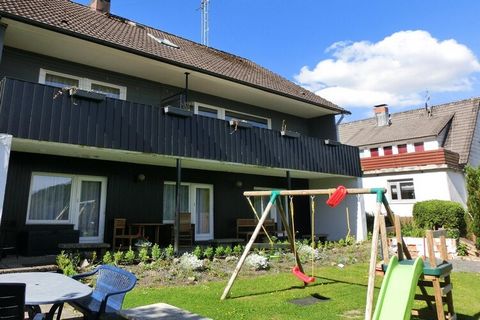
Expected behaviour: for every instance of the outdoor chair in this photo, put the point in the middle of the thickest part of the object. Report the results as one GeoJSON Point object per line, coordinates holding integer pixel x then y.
{"type": "Point", "coordinates": [12, 302]}
{"type": "Point", "coordinates": [112, 284]}
{"type": "Point", "coordinates": [120, 233]}
{"type": "Point", "coordinates": [185, 232]}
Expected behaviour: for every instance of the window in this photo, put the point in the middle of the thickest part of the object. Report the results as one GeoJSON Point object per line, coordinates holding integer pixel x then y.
{"type": "Point", "coordinates": [169, 201]}
{"type": "Point", "coordinates": [224, 114]}
{"type": "Point", "coordinates": [402, 148]}
{"type": "Point", "coordinates": [419, 146]}
{"type": "Point", "coordinates": [260, 203]}
{"type": "Point", "coordinates": [69, 199]}
{"type": "Point", "coordinates": [194, 198]}
{"type": "Point", "coordinates": [374, 152]}
{"type": "Point", "coordinates": [49, 198]}
{"type": "Point", "coordinates": [61, 80]}
{"type": "Point", "coordinates": [387, 150]}
{"type": "Point", "coordinates": [254, 121]}
{"type": "Point", "coordinates": [401, 189]}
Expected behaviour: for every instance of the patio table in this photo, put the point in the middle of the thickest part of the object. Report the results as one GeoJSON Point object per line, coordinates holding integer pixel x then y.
{"type": "Point", "coordinates": [143, 225]}
{"type": "Point", "coordinates": [48, 288]}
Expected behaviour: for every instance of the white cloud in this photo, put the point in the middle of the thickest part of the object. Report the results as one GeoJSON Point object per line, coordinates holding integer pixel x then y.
{"type": "Point", "coordinates": [396, 70]}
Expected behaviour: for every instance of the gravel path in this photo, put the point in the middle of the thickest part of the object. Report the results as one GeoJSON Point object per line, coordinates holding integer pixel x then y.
{"type": "Point", "coordinates": [464, 265]}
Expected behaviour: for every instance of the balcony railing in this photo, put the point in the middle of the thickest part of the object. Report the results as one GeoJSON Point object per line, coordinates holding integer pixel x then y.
{"type": "Point", "coordinates": [35, 111]}
{"type": "Point", "coordinates": [413, 159]}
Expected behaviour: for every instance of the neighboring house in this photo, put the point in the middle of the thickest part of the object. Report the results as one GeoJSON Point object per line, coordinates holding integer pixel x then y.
{"type": "Point", "coordinates": [83, 95]}
{"type": "Point", "coordinates": [418, 154]}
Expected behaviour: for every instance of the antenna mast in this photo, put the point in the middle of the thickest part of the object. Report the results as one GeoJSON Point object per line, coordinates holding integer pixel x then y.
{"type": "Point", "coordinates": [204, 8]}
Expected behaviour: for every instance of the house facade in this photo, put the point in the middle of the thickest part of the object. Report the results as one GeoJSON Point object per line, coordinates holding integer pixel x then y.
{"type": "Point", "coordinates": [419, 154]}
{"type": "Point", "coordinates": [105, 118]}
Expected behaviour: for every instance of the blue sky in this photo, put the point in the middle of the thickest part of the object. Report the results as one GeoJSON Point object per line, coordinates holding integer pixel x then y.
{"type": "Point", "coordinates": [354, 53]}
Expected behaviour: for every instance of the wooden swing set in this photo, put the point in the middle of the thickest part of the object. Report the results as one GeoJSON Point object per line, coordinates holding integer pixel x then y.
{"type": "Point", "coordinates": [336, 196]}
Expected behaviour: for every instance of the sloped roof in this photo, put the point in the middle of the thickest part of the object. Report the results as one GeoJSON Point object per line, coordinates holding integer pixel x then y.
{"type": "Point", "coordinates": [417, 125]}
{"type": "Point", "coordinates": [79, 20]}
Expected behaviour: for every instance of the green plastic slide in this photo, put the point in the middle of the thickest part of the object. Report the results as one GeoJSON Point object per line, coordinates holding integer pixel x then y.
{"type": "Point", "coordinates": [398, 290]}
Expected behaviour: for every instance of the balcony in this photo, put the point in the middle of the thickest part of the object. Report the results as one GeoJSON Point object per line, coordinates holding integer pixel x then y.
{"type": "Point", "coordinates": [437, 157]}
{"type": "Point", "coordinates": [37, 112]}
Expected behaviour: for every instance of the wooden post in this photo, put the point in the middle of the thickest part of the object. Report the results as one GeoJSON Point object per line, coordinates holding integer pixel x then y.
{"type": "Point", "coordinates": [273, 197]}
{"type": "Point", "coordinates": [373, 262]}
{"type": "Point", "coordinates": [384, 240]}
{"type": "Point", "coordinates": [398, 234]}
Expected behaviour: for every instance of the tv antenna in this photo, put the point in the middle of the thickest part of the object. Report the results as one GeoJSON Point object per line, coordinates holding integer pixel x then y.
{"type": "Point", "coordinates": [204, 22]}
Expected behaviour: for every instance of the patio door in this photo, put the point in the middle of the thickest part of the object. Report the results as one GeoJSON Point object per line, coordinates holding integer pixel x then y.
{"type": "Point", "coordinates": [90, 208]}
{"type": "Point", "coordinates": [202, 213]}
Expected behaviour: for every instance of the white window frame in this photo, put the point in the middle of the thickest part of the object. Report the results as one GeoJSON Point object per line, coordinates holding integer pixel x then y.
{"type": "Point", "coordinates": [83, 83]}
{"type": "Point", "coordinates": [74, 203]}
{"type": "Point", "coordinates": [399, 193]}
{"type": "Point", "coordinates": [221, 113]}
{"type": "Point", "coordinates": [192, 206]}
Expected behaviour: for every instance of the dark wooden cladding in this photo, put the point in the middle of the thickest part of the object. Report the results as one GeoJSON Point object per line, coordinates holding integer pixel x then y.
{"type": "Point", "coordinates": [30, 111]}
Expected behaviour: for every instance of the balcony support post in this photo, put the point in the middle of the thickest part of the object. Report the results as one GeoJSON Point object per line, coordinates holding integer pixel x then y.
{"type": "Point", "coordinates": [177, 206]}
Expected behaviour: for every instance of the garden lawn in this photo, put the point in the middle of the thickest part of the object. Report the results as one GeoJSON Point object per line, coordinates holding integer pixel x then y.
{"type": "Point", "coordinates": [343, 293]}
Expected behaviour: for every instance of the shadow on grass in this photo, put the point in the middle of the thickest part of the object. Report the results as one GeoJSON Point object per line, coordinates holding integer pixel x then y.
{"type": "Point", "coordinates": [323, 281]}
{"type": "Point", "coordinates": [426, 313]}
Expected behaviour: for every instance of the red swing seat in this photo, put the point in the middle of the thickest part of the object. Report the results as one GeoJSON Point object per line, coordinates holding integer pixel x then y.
{"type": "Point", "coordinates": [337, 197]}
{"type": "Point", "coordinates": [296, 271]}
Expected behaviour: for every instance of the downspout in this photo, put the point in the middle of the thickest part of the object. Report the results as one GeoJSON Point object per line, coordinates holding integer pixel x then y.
{"type": "Point", "coordinates": [176, 225]}
{"type": "Point", "coordinates": [3, 29]}
{"type": "Point", "coordinates": [186, 90]}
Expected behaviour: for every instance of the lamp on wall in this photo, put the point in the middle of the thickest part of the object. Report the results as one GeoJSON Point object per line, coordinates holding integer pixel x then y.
{"type": "Point", "coordinates": [238, 184]}
{"type": "Point", "coordinates": [140, 177]}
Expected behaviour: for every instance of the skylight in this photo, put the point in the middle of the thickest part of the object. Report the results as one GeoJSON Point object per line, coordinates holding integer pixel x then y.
{"type": "Point", "coordinates": [163, 41]}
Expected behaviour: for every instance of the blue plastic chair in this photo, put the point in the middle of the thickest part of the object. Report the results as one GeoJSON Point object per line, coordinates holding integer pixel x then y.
{"type": "Point", "coordinates": [112, 284]}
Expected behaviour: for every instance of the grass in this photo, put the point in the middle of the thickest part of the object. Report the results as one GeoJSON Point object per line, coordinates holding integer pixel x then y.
{"type": "Point", "coordinates": [268, 296]}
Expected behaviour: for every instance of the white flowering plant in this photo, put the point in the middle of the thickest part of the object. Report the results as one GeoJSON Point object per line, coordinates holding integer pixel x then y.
{"type": "Point", "coordinates": [305, 252]}
{"type": "Point", "coordinates": [257, 262]}
{"type": "Point", "coordinates": [190, 262]}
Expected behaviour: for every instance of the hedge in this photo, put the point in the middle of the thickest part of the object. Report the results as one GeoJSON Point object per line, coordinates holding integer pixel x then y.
{"type": "Point", "coordinates": [434, 214]}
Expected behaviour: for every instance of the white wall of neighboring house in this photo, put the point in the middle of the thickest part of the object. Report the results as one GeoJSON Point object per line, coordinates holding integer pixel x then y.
{"type": "Point", "coordinates": [429, 185]}
{"type": "Point", "coordinates": [333, 221]}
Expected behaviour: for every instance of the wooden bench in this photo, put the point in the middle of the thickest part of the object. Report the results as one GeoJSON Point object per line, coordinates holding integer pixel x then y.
{"type": "Point", "coordinates": [245, 227]}
{"type": "Point", "coordinates": [102, 247]}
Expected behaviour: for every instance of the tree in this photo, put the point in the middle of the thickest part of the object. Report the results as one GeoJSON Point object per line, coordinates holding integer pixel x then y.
{"type": "Point", "coordinates": [473, 202]}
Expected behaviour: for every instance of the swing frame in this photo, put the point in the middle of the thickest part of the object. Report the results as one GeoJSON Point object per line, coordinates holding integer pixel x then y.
{"type": "Point", "coordinates": [378, 228]}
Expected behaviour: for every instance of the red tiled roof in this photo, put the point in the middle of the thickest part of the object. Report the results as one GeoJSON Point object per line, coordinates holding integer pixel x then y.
{"type": "Point", "coordinates": [79, 20]}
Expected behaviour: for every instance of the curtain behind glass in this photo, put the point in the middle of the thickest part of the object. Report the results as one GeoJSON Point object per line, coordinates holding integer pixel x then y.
{"type": "Point", "coordinates": [89, 209]}
{"type": "Point", "coordinates": [50, 198]}
{"type": "Point", "coordinates": [169, 201]}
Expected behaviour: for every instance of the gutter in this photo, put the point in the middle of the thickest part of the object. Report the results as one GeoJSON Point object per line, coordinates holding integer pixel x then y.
{"type": "Point", "coordinates": [154, 57]}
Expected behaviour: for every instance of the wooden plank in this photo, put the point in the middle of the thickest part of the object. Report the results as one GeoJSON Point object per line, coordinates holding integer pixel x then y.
{"type": "Point", "coordinates": [309, 192]}
{"type": "Point", "coordinates": [373, 263]}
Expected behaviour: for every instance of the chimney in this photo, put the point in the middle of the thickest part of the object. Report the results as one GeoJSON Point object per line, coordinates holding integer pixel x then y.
{"type": "Point", "coordinates": [102, 6]}
{"type": "Point", "coordinates": [382, 115]}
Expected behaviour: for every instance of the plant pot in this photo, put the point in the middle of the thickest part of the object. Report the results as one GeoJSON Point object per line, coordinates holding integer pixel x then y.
{"type": "Point", "coordinates": [177, 111]}
{"type": "Point", "coordinates": [290, 134]}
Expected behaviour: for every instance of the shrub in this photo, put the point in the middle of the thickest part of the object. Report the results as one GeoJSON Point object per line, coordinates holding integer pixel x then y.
{"type": "Point", "coordinates": [197, 252]}
{"type": "Point", "coordinates": [65, 263]}
{"type": "Point", "coordinates": [208, 253]}
{"type": "Point", "coordinates": [462, 249]}
{"type": "Point", "coordinates": [129, 256]}
{"type": "Point", "coordinates": [118, 257]}
{"type": "Point", "coordinates": [473, 201]}
{"type": "Point", "coordinates": [237, 250]}
{"type": "Point", "coordinates": [169, 252]}
{"type": "Point", "coordinates": [257, 262]}
{"type": "Point", "coordinates": [107, 258]}
{"type": "Point", "coordinates": [219, 251]}
{"type": "Point", "coordinates": [143, 255]}
{"type": "Point", "coordinates": [189, 261]}
{"type": "Point", "coordinates": [434, 214]}
{"type": "Point", "coordinates": [156, 252]}
{"type": "Point", "coordinates": [409, 229]}
{"type": "Point", "coordinates": [228, 251]}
